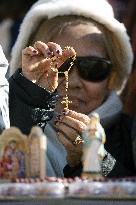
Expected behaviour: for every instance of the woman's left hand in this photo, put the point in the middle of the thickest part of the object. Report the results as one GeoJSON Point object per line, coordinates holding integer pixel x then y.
{"type": "Point", "coordinates": [70, 126]}
{"type": "Point", "coordinates": [41, 63]}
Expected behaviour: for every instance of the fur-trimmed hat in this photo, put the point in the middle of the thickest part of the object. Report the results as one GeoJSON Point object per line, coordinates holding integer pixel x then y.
{"type": "Point", "coordinates": [98, 10]}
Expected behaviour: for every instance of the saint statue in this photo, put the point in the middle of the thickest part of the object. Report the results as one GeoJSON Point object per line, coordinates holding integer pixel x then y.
{"type": "Point", "coordinates": [93, 148]}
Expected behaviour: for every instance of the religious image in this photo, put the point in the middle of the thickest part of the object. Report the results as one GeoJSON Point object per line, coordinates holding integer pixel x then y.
{"type": "Point", "coordinates": [21, 156]}
{"type": "Point", "coordinates": [13, 154]}
{"type": "Point", "coordinates": [12, 162]}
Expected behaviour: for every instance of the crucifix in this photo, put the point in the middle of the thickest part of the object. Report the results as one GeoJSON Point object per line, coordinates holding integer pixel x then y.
{"type": "Point", "coordinates": [65, 100]}
{"type": "Point", "coordinates": [66, 74]}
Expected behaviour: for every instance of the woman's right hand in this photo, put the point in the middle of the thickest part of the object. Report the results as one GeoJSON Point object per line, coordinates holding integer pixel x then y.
{"type": "Point", "coordinates": [38, 61]}
{"type": "Point", "coordinates": [70, 126]}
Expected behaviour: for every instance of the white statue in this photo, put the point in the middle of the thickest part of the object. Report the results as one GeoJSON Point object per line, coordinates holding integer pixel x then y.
{"type": "Point", "coordinates": [93, 148]}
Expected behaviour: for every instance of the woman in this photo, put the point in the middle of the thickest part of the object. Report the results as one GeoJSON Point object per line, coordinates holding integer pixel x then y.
{"type": "Point", "coordinates": [103, 62]}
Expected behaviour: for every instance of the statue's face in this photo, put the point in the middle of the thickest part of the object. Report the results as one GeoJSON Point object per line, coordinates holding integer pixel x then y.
{"type": "Point", "coordinates": [91, 133]}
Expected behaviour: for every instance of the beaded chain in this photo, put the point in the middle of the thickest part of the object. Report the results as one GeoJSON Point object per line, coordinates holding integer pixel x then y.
{"type": "Point", "coordinates": [66, 74]}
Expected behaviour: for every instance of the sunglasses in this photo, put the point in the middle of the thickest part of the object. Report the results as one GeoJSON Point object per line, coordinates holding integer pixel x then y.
{"type": "Point", "coordinates": [90, 68]}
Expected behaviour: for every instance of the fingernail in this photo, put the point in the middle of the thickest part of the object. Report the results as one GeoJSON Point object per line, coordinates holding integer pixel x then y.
{"type": "Point", "coordinates": [59, 117]}
{"type": "Point", "coordinates": [58, 51]}
{"type": "Point", "coordinates": [34, 51]}
{"type": "Point", "coordinates": [49, 52]}
{"type": "Point", "coordinates": [65, 112]}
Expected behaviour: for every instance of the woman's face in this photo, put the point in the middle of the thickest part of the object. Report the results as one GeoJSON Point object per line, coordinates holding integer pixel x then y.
{"type": "Point", "coordinates": [86, 96]}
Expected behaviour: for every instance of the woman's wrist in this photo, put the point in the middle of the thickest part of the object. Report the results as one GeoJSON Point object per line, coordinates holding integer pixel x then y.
{"type": "Point", "coordinates": [35, 82]}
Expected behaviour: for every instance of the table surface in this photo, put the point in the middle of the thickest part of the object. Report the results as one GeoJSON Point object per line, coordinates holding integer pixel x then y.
{"type": "Point", "coordinates": [68, 201]}
{"type": "Point", "coordinates": [122, 193]}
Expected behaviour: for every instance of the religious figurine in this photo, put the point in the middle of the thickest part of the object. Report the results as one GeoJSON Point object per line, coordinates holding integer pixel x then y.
{"type": "Point", "coordinates": [93, 147]}
{"type": "Point", "coordinates": [13, 154]}
{"type": "Point", "coordinates": [37, 152]}
{"type": "Point", "coordinates": [22, 156]}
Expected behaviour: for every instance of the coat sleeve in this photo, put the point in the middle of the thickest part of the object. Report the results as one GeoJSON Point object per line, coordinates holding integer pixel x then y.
{"type": "Point", "coordinates": [29, 104]}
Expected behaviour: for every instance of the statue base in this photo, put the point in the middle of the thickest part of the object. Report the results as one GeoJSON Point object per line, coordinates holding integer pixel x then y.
{"type": "Point", "coordinates": [92, 175]}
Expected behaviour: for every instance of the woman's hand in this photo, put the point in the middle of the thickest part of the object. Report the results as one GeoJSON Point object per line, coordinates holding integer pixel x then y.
{"type": "Point", "coordinates": [41, 63]}
{"type": "Point", "coordinates": [70, 126]}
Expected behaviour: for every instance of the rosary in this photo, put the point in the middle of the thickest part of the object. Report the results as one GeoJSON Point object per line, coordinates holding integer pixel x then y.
{"type": "Point", "coordinates": [66, 74]}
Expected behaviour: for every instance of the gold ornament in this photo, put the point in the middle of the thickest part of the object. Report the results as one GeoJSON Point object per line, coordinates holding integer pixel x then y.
{"type": "Point", "coordinates": [66, 74]}
{"type": "Point", "coordinates": [78, 140]}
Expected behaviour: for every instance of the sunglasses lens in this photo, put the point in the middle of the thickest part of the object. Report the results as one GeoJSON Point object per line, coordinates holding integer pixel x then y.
{"type": "Point", "coordinates": [93, 69]}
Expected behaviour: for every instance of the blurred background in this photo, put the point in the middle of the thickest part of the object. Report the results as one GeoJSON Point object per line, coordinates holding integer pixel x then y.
{"type": "Point", "coordinates": [12, 13]}
{"type": "Point", "coordinates": [125, 11]}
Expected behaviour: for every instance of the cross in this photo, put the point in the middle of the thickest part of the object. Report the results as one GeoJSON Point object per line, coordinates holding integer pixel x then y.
{"type": "Point", "coordinates": [66, 101]}
{"type": "Point", "coordinates": [66, 73]}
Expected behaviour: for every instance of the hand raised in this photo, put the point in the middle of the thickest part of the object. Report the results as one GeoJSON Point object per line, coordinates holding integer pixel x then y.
{"type": "Point", "coordinates": [38, 61]}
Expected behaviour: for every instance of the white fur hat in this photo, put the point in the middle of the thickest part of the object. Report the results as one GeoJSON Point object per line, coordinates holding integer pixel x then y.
{"type": "Point", "coordinates": [98, 10]}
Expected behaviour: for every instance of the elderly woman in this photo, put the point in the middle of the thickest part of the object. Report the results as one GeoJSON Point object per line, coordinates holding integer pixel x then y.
{"type": "Point", "coordinates": [103, 62]}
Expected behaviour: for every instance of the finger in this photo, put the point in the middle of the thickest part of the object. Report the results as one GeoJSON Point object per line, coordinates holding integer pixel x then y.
{"type": "Point", "coordinates": [69, 52]}
{"type": "Point", "coordinates": [52, 75]}
{"type": "Point", "coordinates": [69, 132]}
{"type": "Point", "coordinates": [51, 68]}
{"type": "Point", "coordinates": [74, 153]}
{"type": "Point", "coordinates": [73, 123]}
{"type": "Point", "coordinates": [43, 48]}
{"type": "Point", "coordinates": [55, 48]}
{"type": "Point", "coordinates": [74, 158]}
{"type": "Point", "coordinates": [40, 66]}
{"type": "Point", "coordinates": [66, 143]}
{"type": "Point", "coordinates": [30, 51]}
{"type": "Point", "coordinates": [78, 116]}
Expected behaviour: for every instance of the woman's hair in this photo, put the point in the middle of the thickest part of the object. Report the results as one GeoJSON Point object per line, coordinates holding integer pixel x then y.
{"type": "Point", "coordinates": [48, 29]}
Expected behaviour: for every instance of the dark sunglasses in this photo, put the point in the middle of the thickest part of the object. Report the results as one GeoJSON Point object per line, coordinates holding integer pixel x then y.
{"type": "Point", "coordinates": [90, 68]}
